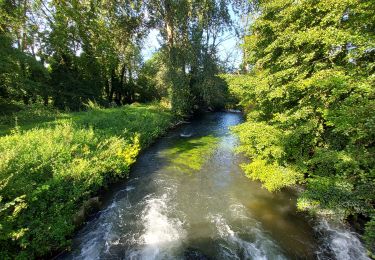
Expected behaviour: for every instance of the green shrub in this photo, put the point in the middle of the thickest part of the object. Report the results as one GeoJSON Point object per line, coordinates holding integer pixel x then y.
{"type": "Point", "coordinates": [47, 173]}
{"type": "Point", "coordinates": [370, 234]}
{"type": "Point", "coordinates": [310, 98]}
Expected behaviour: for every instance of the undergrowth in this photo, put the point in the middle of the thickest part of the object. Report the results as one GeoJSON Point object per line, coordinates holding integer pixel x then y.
{"type": "Point", "coordinates": [50, 165]}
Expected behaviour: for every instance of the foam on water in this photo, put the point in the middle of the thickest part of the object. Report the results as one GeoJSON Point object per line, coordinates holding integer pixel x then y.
{"type": "Point", "coordinates": [238, 211]}
{"type": "Point", "coordinates": [94, 242]}
{"type": "Point", "coordinates": [162, 235]}
{"type": "Point", "coordinates": [238, 248]}
{"type": "Point", "coordinates": [339, 242]}
{"type": "Point", "coordinates": [99, 235]}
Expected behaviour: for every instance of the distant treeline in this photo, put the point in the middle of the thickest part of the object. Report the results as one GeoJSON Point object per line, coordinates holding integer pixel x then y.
{"type": "Point", "coordinates": [65, 53]}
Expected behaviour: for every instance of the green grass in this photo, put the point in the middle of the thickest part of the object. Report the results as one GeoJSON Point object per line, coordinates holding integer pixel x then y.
{"type": "Point", "coordinates": [52, 162]}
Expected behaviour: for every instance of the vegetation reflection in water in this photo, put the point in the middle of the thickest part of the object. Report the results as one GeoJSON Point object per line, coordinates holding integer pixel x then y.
{"type": "Point", "coordinates": [189, 155]}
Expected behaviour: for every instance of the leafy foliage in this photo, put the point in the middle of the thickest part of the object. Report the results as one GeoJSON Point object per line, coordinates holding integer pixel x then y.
{"type": "Point", "coordinates": [190, 31]}
{"type": "Point", "coordinates": [309, 95]}
{"type": "Point", "coordinates": [66, 53]}
{"type": "Point", "coordinates": [47, 173]}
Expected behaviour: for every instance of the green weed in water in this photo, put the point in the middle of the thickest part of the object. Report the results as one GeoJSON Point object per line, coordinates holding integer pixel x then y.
{"type": "Point", "coordinates": [189, 155]}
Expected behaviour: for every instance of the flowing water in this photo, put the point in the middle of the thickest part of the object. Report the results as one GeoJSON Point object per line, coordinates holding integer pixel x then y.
{"type": "Point", "coordinates": [187, 198]}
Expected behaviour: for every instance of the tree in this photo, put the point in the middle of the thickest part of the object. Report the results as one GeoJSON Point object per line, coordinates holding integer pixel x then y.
{"type": "Point", "coordinates": [190, 31]}
{"type": "Point", "coordinates": [311, 91]}
{"type": "Point", "coordinates": [22, 77]}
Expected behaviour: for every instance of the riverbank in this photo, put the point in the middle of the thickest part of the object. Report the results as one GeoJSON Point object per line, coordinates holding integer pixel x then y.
{"type": "Point", "coordinates": [51, 163]}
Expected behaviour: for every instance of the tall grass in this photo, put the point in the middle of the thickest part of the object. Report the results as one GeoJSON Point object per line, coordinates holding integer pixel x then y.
{"type": "Point", "coordinates": [48, 171]}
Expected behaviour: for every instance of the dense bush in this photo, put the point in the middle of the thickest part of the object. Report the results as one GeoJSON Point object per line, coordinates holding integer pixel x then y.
{"type": "Point", "coordinates": [310, 97]}
{"type": "Point", "coordinates": [47, 173]}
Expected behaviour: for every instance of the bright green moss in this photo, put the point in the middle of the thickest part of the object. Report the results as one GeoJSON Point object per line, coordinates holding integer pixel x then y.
{"type": "Point", "coordinates": [189, 155]}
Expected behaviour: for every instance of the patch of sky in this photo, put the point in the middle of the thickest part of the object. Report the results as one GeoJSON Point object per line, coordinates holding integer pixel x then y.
{"type": "Point", "coordinates": [228, 47]}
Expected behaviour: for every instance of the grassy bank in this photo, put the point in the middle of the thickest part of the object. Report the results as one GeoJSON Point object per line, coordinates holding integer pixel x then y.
{"type": "Point", "coordinates": [52, 162]}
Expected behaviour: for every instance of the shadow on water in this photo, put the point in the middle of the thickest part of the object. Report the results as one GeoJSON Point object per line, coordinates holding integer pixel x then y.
{"type": "Point", "coordinates": [187, 198]}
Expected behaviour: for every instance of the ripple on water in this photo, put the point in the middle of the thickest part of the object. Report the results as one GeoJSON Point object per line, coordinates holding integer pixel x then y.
{"type": "Point", "coordinates": [338, 242]}
{"type": "Point", "coordinates": [92, 243]}
{"type": "Point", "coordinates": [234, 247]}
{"type": "Point", "coordinates": [162, 235]}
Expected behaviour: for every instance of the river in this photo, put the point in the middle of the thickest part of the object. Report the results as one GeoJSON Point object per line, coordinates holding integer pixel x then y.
{"type": "Point", "coordinates": [187, 198]}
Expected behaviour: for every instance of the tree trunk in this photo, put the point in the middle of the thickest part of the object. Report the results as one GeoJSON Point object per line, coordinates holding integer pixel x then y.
{"type": "Point", "coordinates": [108, 90]}
{"type": "Point", "coordinates": [169, 23]}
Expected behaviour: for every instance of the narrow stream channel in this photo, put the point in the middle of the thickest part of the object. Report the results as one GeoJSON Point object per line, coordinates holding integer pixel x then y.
{"type": "Point", "coordinates": [187, 198]}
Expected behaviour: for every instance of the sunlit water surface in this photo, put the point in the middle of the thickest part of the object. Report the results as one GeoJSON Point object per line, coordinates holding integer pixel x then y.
{"type": "Point", "coordinates": [187, 198]}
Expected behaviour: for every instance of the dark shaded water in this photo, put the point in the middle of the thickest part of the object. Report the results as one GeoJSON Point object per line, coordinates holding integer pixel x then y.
{"type": "Point", "coordinates": [187, 198]}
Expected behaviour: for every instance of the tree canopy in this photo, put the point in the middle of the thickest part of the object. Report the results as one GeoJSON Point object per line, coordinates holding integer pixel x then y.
{"type": "Point", "coordinates": [309, 93]}
{"type": "Point", "coordinates": [65, 53]}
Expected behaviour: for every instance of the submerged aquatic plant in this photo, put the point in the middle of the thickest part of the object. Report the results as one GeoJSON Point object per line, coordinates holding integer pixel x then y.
{"type": "Point", "coordinates": [189, 155]}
